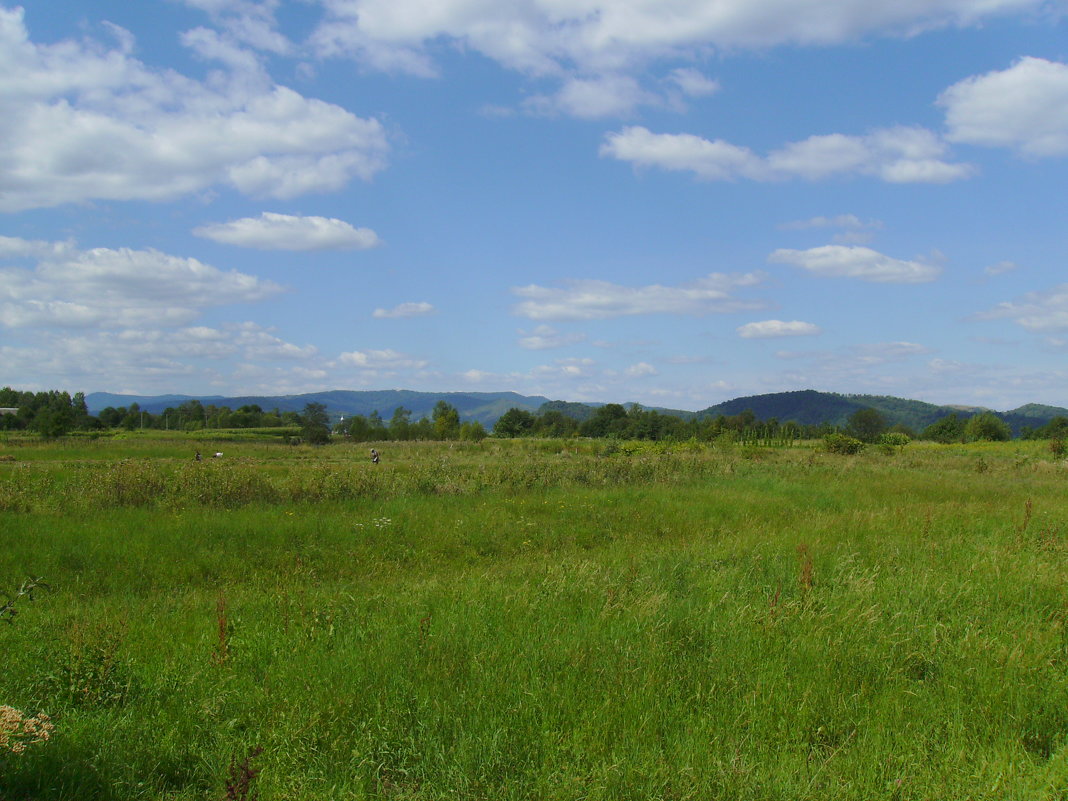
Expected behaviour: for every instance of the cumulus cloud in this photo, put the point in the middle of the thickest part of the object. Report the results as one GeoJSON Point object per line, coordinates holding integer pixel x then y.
{"type": "Point", "coordinates": [402, 310]}
{"type": "Point", "coordinates": [81, 121]}
{"type": "Point", "coordinates": [769, 329]}
{"type": "Point", "coordinates": [693, 83]}
{"type": "Point", "coordinates": [595, 47]}
{"type": "Point", "coordinates": [387, 359]}
{"type": "Point", "coordinates": [1024, 107]}
{"type": "Point", "coordinates": [1035, 311]}
{"type": "Point", "coordinates": [592, 98]}
{"type": "Point", "coordinates": [894, 155]}
{"type": "Point", "coordinates": [641, 370]}
{"type": "Point", "coordinates": [546, 36]}
{"type": "Point", "coordinates": [842, 261]}
{"type": "Point", "coordinates": [598, 300]}
{"type": "Point", "coordinates": [149, 360]}
{"type": "Point", "coordinates": [545, 337]}
{"type": "Point", "coordinates": [850, 222]}
{"type": "Point", "coordinates": [566, 368]}
{"type": "Point", "coordinates": [113, 288]}
{"type": "Point", "coordinates": [247, 23]}
{"type": "Point", "coordinates": [272, 231]}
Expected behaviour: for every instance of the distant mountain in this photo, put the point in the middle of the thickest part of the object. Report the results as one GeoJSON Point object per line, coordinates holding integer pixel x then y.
{"type": "Point", "coordinates": [584, 411]}
{"type": "Point", "coordinates": [97, 401]}
{"type": "Point", "coordinates": [1033, 415]}
{"type": "Point", "coordinates": [808, 406]}
{"type": "Point", "coordinates": [485, 407]}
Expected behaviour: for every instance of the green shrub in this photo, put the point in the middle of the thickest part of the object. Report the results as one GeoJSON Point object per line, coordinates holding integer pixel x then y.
{"type": "Point", "coordinates": [840, 443]}
{"type": "Point", "coordinates": [895, 439]}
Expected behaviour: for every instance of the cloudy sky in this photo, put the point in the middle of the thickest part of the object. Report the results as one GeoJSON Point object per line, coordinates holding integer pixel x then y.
{"type": "Point", "coordinates": [674, 202]}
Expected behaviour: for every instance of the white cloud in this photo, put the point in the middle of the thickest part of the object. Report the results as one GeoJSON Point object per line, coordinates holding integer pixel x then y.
{"type": "Point", "coordinates": [710, 160]}
{"type": "Point", "coordinates": [871, 366]}
{"type": "Point", "coordinates": [150, 360]}
{"type": "Point", "coordinates": [841, 261]}
{"type": "Point", "coordinates": [767, 329]}
{"type": "Point", "coordinates": [849, 222]}
{"type": "Point", "coordinates": [248, 23]}
{"type": "Point", "coordinates": [693, 83]}
{"type": "Point", "coordinates": [107, 288]}
{"type": "Point", "coordinates": [403, 310]}
{"type": "Point", "coordinates": [1035, 311]}
{"type": "Point", "coordinates": [566, 368]}
{"type": "Point", "coordinates": [272, 231]}
{"type": "Point", "coordinates": [478, 376]}
{"type": "Point", "coordinates": [545, 337]}
{"type": "Point", "coordinates": [387, 359]}
{"type": "Point", "coordinates": [80, 122]}
{"type": "Point", "coordinates": [598, 300]}
{"type": "Point", "coordinates": [1001, 268]}
{"type": "Point", "coordinates": [852, 230]}
{"type": "Point", "coordinates": [259, 344]}
{"type": "Point", "coordinates": [894, 155]}
{"type": "Point", "coordinates": [641, 370]}
{"type": "Point", "coordinates": [1024, 107]}
{"type": "Point", "coordinates": [592, 98]}
{"type": "Point", "coordinates": [547, 36]}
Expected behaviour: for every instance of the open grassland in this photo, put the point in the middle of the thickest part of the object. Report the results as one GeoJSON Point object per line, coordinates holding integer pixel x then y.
{"type": "Point", "coordinates": [536, 620]}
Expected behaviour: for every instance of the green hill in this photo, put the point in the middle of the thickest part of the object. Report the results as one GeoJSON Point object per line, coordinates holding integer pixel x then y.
{"type": "Point", "coordinates": [808, 406]}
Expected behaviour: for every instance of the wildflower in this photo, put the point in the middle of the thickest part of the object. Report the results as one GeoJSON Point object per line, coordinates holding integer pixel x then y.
{"type": "Point", "coordinates": [17, 731]}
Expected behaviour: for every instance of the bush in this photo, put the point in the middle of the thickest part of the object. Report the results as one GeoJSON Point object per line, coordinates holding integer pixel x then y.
{"type": "Point", "coordinates": [987, 426]}
{"type": "Point", "coordinates": [892, 440]}
{"type": "Point", "coordinates": [840, 443]}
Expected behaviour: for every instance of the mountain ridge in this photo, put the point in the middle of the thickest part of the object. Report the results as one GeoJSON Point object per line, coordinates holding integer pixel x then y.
{"type": "Point", "coordinates": [807, 406]}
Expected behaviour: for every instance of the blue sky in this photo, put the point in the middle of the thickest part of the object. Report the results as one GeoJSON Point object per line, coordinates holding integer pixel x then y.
{"type": "Point", "coordinates": [673, 202]}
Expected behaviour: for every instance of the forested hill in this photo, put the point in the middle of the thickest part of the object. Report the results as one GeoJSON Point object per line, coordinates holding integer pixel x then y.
{"type": "Point", "coordinates": [810, 407]}
{"type": "Point", "coordinates": [807, 407]}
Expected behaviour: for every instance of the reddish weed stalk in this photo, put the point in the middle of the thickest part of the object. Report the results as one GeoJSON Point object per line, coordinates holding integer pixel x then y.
{"type": "Point", "coordinates": [805, 576]}
{"type": "Point", "coordinates": [1026, 520]}
{"type": "Point", "coordinates": [239, 783]}
{"type": "Point", "coordinates": [221, 653]}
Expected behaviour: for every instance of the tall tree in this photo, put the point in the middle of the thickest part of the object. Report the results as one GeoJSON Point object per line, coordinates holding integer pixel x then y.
{"type": "Point", "coordinates": [514, 423]}
{"type": "Point", "coordinates": [446, 421]}
{"type": "Point", "coordinates": [866, 424]}
{"type": "Point", "coordinates": [315, 424]}
{"type": "Point", "coordinates": [400, 424]}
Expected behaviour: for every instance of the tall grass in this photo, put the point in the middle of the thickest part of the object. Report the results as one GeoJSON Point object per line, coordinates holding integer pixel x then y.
{"type": "Point", "coordinates": [510, 623]}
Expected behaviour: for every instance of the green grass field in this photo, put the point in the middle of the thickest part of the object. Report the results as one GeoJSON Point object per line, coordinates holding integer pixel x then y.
{"type": "Point", "coordinates": [535, 620]}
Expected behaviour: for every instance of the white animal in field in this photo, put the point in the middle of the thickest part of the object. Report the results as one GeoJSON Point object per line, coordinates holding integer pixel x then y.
{"type": "Point", "coordinates": [217, 455]}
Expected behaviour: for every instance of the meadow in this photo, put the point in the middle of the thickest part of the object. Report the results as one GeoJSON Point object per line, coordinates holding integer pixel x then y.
{"type": "Point", "coordinates": [529, 619]}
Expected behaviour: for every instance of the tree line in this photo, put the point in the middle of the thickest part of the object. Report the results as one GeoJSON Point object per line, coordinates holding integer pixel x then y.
{"type": "Point", "coordinates": [54, 413]}
{"type": "Point", "coordinates": [867, 425]}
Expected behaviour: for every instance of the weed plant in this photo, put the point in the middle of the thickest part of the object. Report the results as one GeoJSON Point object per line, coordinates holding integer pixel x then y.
{"type": "Point", "coordinates": [524, 620]}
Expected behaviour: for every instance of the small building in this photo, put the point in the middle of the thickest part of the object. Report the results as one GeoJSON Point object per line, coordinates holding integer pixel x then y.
{"type": "Point", "coordinates": [8, 410]}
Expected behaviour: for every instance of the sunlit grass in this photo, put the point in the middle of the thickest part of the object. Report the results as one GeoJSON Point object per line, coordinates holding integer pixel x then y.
{"type": "Point", "coordinates": [535, 621]}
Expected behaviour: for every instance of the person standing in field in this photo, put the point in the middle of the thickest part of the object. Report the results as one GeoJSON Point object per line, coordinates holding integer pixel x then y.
{"type": "Point", "coordinates": [374, 456]}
